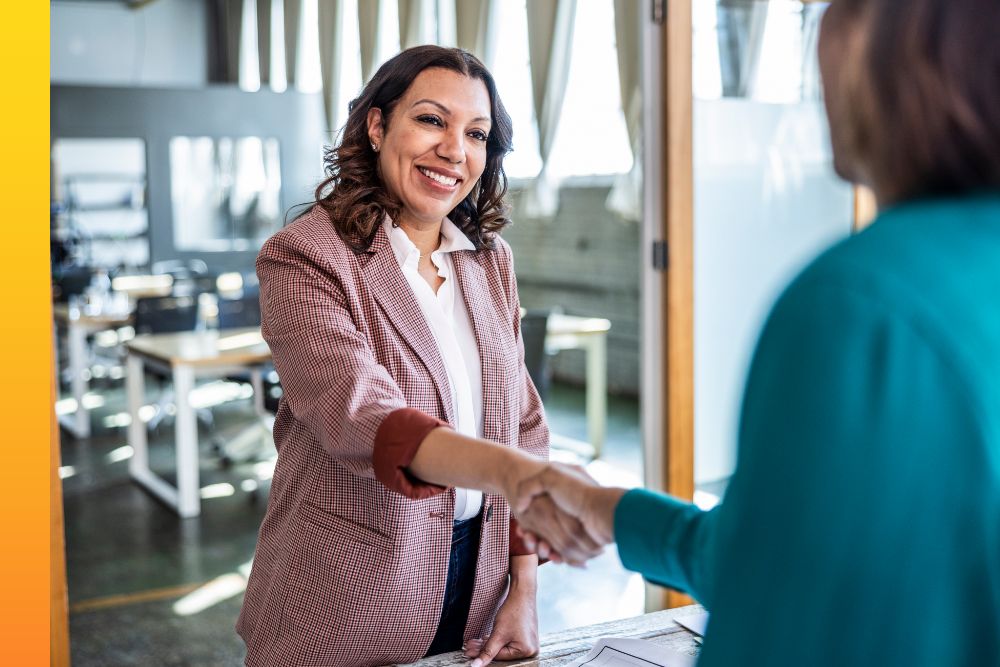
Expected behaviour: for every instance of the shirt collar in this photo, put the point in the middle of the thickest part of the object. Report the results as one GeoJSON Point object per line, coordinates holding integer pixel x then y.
{"type": "Point", "coordinates": [407, 253]}
{"type": "Point", "coordinates": [454, 238]}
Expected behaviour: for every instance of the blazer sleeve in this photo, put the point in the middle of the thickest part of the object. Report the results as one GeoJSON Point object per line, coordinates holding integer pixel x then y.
{"type": "Point", "coordinates": [331, 379]}
{"type": "Point", "coordinates": [533, 431]}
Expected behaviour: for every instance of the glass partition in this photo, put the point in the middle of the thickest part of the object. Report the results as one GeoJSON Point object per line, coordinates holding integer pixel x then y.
{"type": "Point", "coordinates": [766, 199]}
{"type": "Point", "coordinates": [224, 192]}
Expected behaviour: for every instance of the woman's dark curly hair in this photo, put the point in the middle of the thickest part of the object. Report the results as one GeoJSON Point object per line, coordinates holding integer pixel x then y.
{"type": "Point", "coordinates": [353, 193]}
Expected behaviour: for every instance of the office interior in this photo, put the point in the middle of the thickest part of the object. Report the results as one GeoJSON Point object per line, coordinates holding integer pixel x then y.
{"type": "Point", "coordinates": [184, 133]}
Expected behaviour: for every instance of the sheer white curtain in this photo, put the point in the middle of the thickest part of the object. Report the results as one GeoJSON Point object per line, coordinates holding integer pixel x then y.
{"type": "Point", "coordinates": [292, 11]}
{"type": "Point", "coordinates": [426, 22]}
{"type": "Point", "coordinates": [369, 27]}
{"type": "Point", "coordinates": [475, 27]}
{"type": "Point", "coordinates": [227, 23]}
{"type": "Point", "coordinates": [412, 22]}
{"type": "Point", "coordinates": [264, 41]}
{"type": "Point", "coordinates": [550, 34]}
{"type": "Point", "coordinates": [331, 20]}
{"type": "Point", "coordinates": [740, 33]}
{"type": "Point", "coordinates": [625, 198]}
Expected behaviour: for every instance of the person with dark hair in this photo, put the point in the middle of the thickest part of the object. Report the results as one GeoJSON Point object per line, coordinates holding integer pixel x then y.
{"type": "Point", "coordinates": [392, 314]}
{"type": "Point", "coordinates": [862, 524]}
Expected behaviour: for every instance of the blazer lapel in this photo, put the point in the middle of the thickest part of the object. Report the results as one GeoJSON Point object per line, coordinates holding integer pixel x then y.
{"type": "Point", "coordinates": [485, 320]}
{"type": "Point", "coordinates": [395, 296]}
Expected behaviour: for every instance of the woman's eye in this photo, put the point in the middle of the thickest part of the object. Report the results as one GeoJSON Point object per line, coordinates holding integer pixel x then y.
{"type": "Point", "coordinates": [430, 120]}
{"type": "Point", "coordinates": [478, 135]}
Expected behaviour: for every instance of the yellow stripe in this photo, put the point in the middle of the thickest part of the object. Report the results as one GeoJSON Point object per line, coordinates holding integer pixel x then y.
{"type": "Point", "coordinates": [132, 598]}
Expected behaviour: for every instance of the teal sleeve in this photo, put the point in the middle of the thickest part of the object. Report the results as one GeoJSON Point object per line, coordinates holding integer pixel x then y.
{"type": "Point", "coordinates": [667, 540]}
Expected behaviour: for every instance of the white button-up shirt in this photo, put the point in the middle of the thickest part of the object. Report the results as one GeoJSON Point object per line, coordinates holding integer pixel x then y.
{"type": "Point", "coordinates": [448, 319]}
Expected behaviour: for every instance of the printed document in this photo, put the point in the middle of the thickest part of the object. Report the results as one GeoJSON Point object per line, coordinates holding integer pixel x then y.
{"type": "Point", "coordinates": [616, 652]}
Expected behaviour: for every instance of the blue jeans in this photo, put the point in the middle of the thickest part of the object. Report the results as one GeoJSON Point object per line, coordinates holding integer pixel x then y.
{"type": "Point", "coordinates": [458, 590]}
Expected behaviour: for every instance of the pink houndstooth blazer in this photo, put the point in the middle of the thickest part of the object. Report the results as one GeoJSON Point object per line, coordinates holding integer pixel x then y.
{"type": "Point", "coordinates": [352, 555]}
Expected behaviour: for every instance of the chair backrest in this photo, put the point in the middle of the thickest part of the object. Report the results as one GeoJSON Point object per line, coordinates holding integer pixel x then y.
{"type": "Point", "coordinates": [533, 326]}
{"type": "Point", "coordinates": [166, 314]}
{"type": "Point", "coordinates": [73, 281]}
{"type": "Point", "coordinates": [195, 284]}
{"type": "Point", "coordinates": [242, 312]}
{"type": "Point", "coordinates": [180, 268]}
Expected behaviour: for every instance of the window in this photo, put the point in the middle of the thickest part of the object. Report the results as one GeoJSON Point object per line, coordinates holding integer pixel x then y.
{"type": "Point", "coordinates": [591, 137]}
{"type": "Point", "coordinates": [224, 192]}
{"type": "Point", "coordinates": [762, 50]}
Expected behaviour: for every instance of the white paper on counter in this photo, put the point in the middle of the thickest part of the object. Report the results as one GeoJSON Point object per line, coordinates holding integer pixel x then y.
{"type": "Point", "coordinates": [696, 623]}
{"type": "Point", "coordinates": [617, 652]}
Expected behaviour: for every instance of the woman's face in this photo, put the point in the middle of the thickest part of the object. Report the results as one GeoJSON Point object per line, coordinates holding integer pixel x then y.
{"type": "Point", "coordinates": [432, 150]}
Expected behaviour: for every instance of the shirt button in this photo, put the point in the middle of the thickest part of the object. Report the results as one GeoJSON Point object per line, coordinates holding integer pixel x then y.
{"type": "Point", "coordinates": [489, 512]}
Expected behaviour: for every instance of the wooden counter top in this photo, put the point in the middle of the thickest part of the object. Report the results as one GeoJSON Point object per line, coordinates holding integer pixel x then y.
{"type": "Point", "coordinates": [560, 648]}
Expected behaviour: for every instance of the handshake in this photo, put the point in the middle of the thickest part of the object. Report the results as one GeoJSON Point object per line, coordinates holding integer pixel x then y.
{"type": "Point", "coordinates": [562, 513]}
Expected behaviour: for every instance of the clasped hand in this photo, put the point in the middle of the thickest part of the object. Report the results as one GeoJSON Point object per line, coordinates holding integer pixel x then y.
{"type": "Point", "coordinates": [563, 514]}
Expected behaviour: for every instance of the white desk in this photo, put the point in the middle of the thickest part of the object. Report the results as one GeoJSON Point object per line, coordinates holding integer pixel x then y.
{"type": "Point", "coordinates": [185, 356]}
{"type": "Point", "coordinates": [568, 332]}
{"type": "Point", "coordinates": [78, 325]}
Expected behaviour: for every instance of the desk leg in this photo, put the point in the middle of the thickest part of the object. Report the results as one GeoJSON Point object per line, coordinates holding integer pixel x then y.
{"type": "Point", "coordinates": [77, 343]}
{"type": "Point", "coordinates": [188, 490]}
{"type": "Point", "coordinates": [135, 390]}
{"type": "Point", "coordinates": [597, 391]}
{"type": "Point", "coordinates": [257, 380]}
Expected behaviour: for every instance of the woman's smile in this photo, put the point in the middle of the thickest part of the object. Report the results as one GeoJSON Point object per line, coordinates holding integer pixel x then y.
{"type": "Point", "coordinates": [440, 180]}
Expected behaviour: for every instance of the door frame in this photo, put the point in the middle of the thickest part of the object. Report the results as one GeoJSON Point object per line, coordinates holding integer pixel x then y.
{"type": "Point", "coordinates": [667, 276]}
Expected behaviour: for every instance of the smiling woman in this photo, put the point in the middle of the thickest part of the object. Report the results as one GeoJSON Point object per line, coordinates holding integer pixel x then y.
{"type": "Point", "coordinates": [408, 416]}
{"type": "Point", "coordinates": [452, 96]}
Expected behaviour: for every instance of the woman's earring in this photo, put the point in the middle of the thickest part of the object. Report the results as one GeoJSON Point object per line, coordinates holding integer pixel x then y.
{"type": "Point", "coordinates": [374, 147]}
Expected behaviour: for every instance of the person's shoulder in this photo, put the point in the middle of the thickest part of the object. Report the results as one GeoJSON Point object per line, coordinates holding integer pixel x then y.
{"type": "Point", "coordinates": [500, 245]}
{"type": "Point", "coordinates": [925, 269]}
{"type": "Point", "coordinates": [499, 261]}
{"type": "Point", "coordinates": [918, 256]}
{"type": "Point", "coordinates": [501, 251]}
{"type": "Point", "coordinates": [311, 234]}
{"type": "Point", "coordinates": [313, 227]}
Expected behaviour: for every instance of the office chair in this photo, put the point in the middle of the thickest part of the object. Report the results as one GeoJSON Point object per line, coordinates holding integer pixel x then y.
{"type": "Point", "coordinates": [241, 312]}
{"type": "Point", "coordinates": [167, 314]}
{"type": "Point", "coordinates": [180, 268]}
{"type": "Point", "coordinates": [190, 276]}
{"type": "Point", "coordinates": [533, 327]}
{"type": "Point", "coordinates": [72, 281]}
{"type": "Point", "coordinates": [253, 441]}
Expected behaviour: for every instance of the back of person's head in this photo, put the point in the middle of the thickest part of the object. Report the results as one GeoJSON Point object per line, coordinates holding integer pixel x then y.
{"type": "Point", "coordinates": [353, 193]}
{"type": "Point", "coordinates": [913, 93]}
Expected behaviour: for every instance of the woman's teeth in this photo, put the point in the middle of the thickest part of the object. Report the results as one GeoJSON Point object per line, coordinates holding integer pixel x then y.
{"type": "Point", "coordinates": [443, 180]}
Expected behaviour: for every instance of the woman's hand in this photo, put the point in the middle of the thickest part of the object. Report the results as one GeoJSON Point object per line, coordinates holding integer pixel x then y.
{"type": "Point", "coordinates": [515, 631]}
{"type": "Point", "coordinates": [564, 510]}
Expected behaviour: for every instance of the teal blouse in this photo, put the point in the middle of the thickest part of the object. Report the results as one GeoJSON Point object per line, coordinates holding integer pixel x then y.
{"type": "Point", "coordinates": [862, 524]}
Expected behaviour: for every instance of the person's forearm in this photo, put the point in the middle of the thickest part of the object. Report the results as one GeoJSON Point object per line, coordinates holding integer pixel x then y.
{"type": "Point", "coordinates": [524, 573]}
{"type": "Point", "coordinates": [448, 458]}
{"type": "Point", "coordinates": [600, 512]}
{"type": "Point", "coordinates": [671, 542]}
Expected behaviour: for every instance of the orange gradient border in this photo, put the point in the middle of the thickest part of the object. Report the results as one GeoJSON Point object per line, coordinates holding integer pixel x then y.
{"type": "Point", "coordinates": [25, 334]}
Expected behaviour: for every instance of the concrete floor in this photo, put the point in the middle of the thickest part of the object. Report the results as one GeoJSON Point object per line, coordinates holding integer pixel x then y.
{"type": "Point", "coordinates": [148, 588]}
